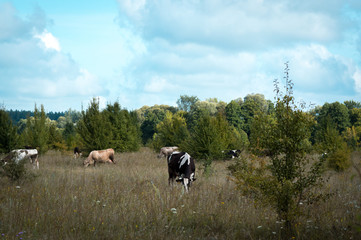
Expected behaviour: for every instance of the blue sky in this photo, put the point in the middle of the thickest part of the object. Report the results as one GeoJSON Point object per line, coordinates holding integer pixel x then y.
{"type": "Point", "coordinates": [63, 53]}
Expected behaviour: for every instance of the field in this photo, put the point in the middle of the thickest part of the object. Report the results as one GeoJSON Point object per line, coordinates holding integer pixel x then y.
{"type": "Point", "coordinates": [132, 200]}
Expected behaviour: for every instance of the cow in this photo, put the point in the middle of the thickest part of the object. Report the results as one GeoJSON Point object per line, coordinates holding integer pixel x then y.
{"type": "Point", "coordinates": [167, 151]}
{"type": "Point", "coordinates": [233, 153]}
{"type": "Point", "coordinates": [77, 152]}
{"type": "Point", "coordinates": [19, 154]}
{"type": "Point", "coordinates": [101, 156]}
{"type": "Point", "coordinates": [181, 165]}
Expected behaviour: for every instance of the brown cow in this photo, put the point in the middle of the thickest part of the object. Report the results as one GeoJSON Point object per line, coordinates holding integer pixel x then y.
{"type": "Point", "coordinates": [167, 151]}
{"type": "Point", "coordinates": [101, 156]}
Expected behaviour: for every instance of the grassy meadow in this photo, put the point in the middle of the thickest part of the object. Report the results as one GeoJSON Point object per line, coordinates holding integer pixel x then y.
{"type": "Point", "coordinates": [132, 200]}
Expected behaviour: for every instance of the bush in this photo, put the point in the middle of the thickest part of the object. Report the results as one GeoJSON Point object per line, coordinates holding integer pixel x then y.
{"type": "Point", "coordinates": [339, 160]}
{"type": "Point", "coordinates": [13, 170]}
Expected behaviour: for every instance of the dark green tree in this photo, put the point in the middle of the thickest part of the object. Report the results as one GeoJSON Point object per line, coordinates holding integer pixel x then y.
{"type": "Point", "coordinates": [234, 116]}
{"type": "Point", "coordinates": [210, 136]}
{"type": "Point", "coordinates": [36, 133]}
{"type": "Point", "coordinates": [124, 127]}
{"type": "Point", "coordinates": [337, 112]}
{"type": "Point", "coordinates": [149, 117]}
{"type": "Point", "coordinates": [252, 105]}
{"type": "Point", "coordinates": [8, 133]}
{"type": "Point", "coordinates": [149, 125]}
{"type": "Point", "coordinates": [94, 128]}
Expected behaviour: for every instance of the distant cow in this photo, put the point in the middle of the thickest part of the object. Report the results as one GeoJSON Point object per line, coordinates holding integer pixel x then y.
{"type": "Point", "coordinates": [233, 153]}
{"type": "Point", "coordinates": [20, 154]}
{"type": "Point", "coordinates": [101, 156]}
{"type": "Point", "coordinates": [167, 151]}
{"type": "Point", "coordinates": [77, 152]}
{"type": "Point", "coordinates": [181, 165]}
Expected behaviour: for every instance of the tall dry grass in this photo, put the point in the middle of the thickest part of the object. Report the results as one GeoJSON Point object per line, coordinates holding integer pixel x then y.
{"type": "Point", "coordinates": [132, 200]}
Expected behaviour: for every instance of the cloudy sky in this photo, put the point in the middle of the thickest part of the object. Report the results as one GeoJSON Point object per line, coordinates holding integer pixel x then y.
{"type": "Point", "coordinates": [142, 52]}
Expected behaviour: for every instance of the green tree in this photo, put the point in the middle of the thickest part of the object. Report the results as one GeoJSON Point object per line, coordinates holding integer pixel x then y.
{"type": "Point", "coordinates": [36, 133]}
{"type": "Point", "coordinates": [252, 105]}
{"type": "Point", "coordinates": [352, 104]}
{"type": "Point", "coordinates": [8, 133]}
{"type": "Point", "coordinates": [233, 113]}
{"type": "Point", "coordinates": [172, 131]}
{"type": "Point", "coordinates": [69, 134]}
{"type": "Point", "coordinates": [148, 126]}
{"type": "Point", "coordinates": [55, 140]}
{"type": "Point", "coordinates": [355, 117]}
{"type": "Point", "coordinates": [94, 128]}
{"type": "Point", "coordinates": [186, 103]}
{"type": "Point", "coordinates": [149, 117]}
{"type": "Point", "coordinates": [210, 136]}
{"type": "Point", "coordinates": [288, 178]}
{"type": "Point", "coordinates": [125, 128]}
{"type": "Point", "coordinates": [330, 141]}
{"type": "Point", "coordinates": [337, 112]}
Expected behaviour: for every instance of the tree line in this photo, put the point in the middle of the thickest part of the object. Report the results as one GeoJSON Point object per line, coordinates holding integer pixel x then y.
{"type": "Point", "coordinates": [203, 128]}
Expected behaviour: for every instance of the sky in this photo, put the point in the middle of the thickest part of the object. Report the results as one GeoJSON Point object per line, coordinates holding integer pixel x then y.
{"type": "Point", "coordinates": [62, 54]}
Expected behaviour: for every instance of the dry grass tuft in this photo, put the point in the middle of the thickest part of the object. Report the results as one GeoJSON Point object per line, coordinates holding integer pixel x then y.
{"type": "Point", "coordinates": [132, 200]}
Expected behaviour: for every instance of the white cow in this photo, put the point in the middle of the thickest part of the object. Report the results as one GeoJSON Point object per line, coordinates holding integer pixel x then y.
{"type": "Point", "coordinates": [19, 154]}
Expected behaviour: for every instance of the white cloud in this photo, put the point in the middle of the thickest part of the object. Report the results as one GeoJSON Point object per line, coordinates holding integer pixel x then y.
{"type": "Point", "coordinates": [48, 40]}
{"type": "Point", "coordinates": [233, 24]}
{"type": "Point", "coordinates": [357, 77]}
{"type": "Point", "coordinates": [158, 84]}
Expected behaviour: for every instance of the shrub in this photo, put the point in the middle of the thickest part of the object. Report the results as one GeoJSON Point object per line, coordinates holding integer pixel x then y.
{"type": "Point", "coordinates": [288, 177]}
{"type": "Point", "coordinates": [339, 160]}
{"type": "Point", "coordinates": [13, 170]}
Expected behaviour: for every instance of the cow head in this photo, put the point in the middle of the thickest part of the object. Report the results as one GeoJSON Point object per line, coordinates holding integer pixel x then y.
{"type": "Point", "coordinates": [88, 161]}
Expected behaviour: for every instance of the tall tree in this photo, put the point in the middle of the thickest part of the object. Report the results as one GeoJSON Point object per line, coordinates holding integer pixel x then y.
{"type": "Point", "coordinates": [233, 114]}
{"type": "Point", "coordinates": [36, 133]}
{"type": "Point", "coordinates": [8, 133]}
{"type": "Point", "coordinates": [125, 128]}
{"type": "Point", "coordinates": [94, 128]}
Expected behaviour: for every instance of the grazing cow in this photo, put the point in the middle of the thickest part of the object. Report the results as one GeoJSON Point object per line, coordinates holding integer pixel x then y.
{"type": "Point", "coordinates": [101, 156]}
{"type": "Point", "coordinates": [233, 153]}
{"type": "Point", "coordinates": [20, 154]}
{"type": "Point", "coordinates": [167, 151]}
{"type": "Point", "coordinates": [77, 152]}
{"type": "Point", "coordinates": [181, 165]}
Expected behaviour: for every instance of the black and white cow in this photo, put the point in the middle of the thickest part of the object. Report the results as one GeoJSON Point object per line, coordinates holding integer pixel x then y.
{"type": "Point", "coordinates": [181, 165]}
{"type": "Point", "coordinates": [233, 153]}
{"type": "Point", "coordinates": [77, 152]}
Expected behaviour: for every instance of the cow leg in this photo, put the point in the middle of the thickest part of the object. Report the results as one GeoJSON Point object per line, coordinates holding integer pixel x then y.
{"type": "Point", "coordinates": [111, 157]}
{"type": "Point", "coordinates": [185, 183]}
{"type": "Point", "coordinates": [35, 161]}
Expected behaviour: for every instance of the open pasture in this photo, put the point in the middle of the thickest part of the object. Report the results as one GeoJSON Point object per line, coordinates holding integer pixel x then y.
{"type": "Point", "coordinates": [132, 200]}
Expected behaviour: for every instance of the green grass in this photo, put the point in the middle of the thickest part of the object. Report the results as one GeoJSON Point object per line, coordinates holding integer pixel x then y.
{"type": "Point", "coordinates": [132, 200]}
